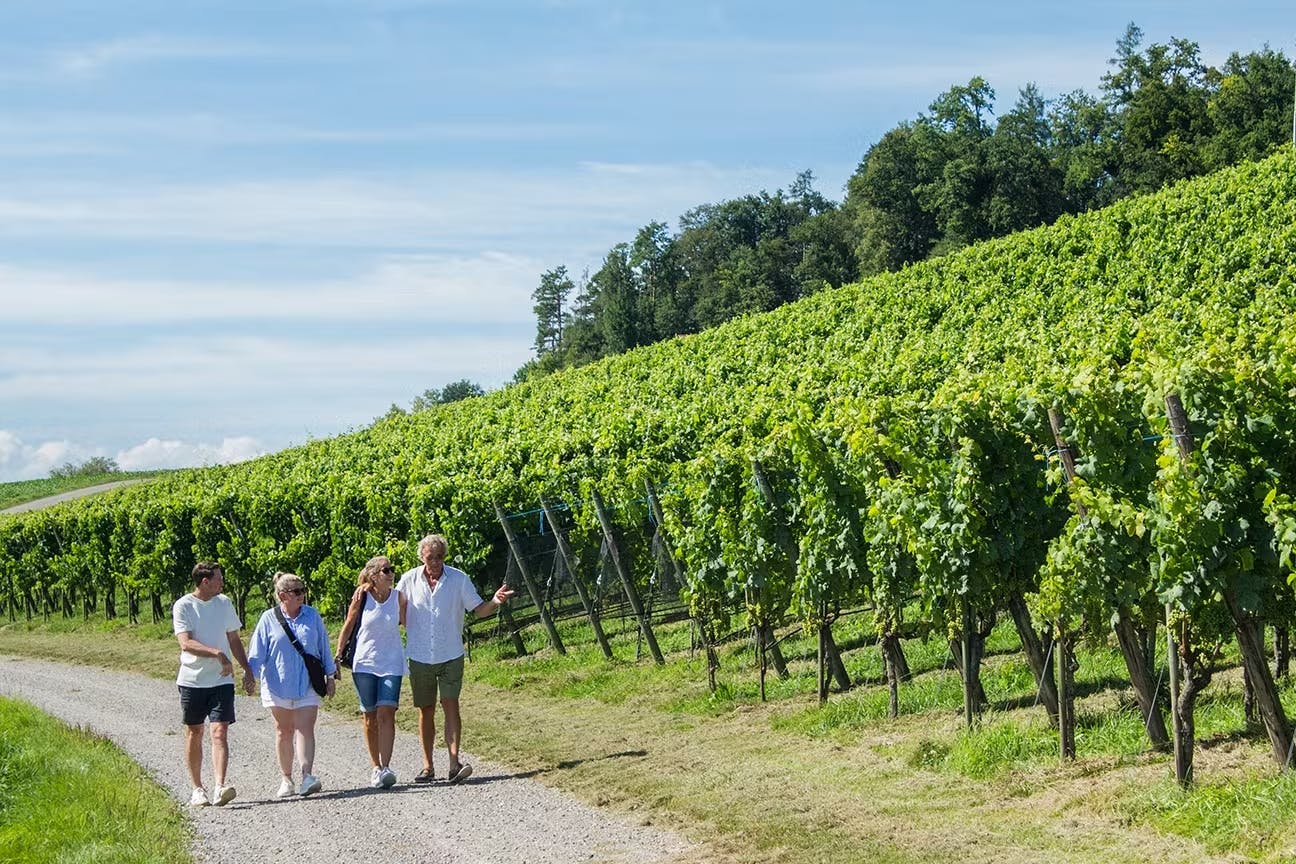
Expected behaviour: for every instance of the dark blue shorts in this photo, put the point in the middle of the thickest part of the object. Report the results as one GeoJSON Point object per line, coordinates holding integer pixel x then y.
{"type": "Point", "coordinates": [375, 690]}
{"type": "Point", "coordinates": [199, 704]}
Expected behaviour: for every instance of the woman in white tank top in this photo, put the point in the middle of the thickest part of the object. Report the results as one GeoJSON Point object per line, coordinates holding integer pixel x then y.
{"type": "Point", "coordinates": [375, 613]}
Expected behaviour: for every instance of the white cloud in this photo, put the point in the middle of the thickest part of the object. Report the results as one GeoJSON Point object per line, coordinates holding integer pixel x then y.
{"type": "Point", "coordinates": [85, 133]}
{"type": "Point", "coordinates": [97, 59]}
{"type": "Point", "coordinates": [274, 369]}
{"type": "Point", "coordinates": [456, 290]}
{"type": "Point", "coordinates": [520, 212]}
{"type": "Point", "coordinates": [9, 446]}
{"type": "Point", "coordinates": [22, 461]}
{"type": "Point", "coordinates": [157, 453]}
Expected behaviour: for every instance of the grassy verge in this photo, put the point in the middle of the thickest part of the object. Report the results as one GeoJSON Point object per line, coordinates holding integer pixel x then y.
{"type": "Point", "coordinates": [22, 491]}
{"type": "Point", "coordinates": [71, 797]}
{"type": "Point", "coordinates": [790, 780]}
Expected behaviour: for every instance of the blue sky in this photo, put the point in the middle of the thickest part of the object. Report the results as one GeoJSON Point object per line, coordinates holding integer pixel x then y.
{"type": "Point", "coordinates": [227, 227]}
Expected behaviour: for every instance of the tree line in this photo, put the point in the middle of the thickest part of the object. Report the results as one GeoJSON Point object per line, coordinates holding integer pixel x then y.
{"type": "Point", "coordinates": [948, 178]}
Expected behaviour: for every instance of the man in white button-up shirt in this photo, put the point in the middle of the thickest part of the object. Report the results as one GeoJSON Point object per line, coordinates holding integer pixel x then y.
{"type": "Point", "coordinates": [437, 597]}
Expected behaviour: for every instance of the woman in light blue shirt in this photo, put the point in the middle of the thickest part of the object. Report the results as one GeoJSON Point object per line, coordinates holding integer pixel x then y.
{"type": "Point", "coordinates": [285, 683]}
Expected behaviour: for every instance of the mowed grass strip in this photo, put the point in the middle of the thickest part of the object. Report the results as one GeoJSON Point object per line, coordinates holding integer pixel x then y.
{"type": "Point", "coordinates": [71, 797]}
{"type": "Point", "coordinates": [789, 780]}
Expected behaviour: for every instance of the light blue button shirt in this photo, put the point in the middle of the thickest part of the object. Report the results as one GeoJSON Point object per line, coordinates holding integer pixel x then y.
{"type": "Point", "coordinates": [273, 657]}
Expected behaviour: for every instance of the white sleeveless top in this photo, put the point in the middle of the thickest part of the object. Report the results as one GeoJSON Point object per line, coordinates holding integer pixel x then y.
{"type": "Point", "coordinates": [379, 650]}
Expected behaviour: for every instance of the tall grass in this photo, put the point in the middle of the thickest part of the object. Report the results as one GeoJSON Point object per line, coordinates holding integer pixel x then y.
{"type": "Point", "coordinates": [69, 796]}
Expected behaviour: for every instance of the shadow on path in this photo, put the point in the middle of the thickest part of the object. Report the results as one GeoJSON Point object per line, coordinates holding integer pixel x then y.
{"type": "Point", "coordinates": [561, 766]}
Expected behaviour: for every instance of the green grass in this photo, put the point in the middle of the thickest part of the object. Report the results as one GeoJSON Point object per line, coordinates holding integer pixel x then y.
{"type": "Point", "coordinates": [1013, 748]}
{"type": "Point", "coordinates": [71, 797]}
{"type": "Point", "coordinates": [1244, 816]}
{"type": "Point", "coordinates": [22, 491]}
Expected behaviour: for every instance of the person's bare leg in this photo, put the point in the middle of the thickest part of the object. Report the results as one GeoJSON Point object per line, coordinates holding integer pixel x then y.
{"type": "Point", "coordinates": [194, 754]}
{"type": "Point", "coordinates": [427, 733]}
{"type": "Point", "coordinates": [372, 737]}
{"type": "Point", "coordinates": [284, 726]}
{"type": "Point", "coordinates": [220, 751]}
{"type": "Point", "coordinates": [305, 720]}
{"type": "Point", "coordinates": [452, 727]}
{"type": "Point", "coordinates": [386, 736]}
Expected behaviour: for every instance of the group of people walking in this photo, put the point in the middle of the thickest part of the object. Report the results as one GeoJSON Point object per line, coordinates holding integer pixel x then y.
{"type": "Point", "coordinates": [429, 601]}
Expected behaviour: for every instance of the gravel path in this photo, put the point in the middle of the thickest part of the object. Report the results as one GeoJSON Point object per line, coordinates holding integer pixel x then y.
{"type": "Point", "coordinates": [492, 817]}
{"type": "Point", "coordinates": [51, 500]}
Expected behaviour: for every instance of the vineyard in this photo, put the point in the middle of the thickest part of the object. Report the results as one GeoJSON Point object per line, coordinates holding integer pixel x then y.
{"type": "Point", "coordinates": [1086, 427]}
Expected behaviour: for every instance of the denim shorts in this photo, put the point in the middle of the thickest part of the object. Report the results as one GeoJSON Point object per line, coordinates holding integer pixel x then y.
{"type": "Point", "coordinates": [375, 690]}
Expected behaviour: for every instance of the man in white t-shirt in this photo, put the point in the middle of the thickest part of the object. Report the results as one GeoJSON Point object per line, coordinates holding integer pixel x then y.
{"type": "Point", "coordinates": [207, 628]}
{"type": "Point", "coordinates": [436, 598]}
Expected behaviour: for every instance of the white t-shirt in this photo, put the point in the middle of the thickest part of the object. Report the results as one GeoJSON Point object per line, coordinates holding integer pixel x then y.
{"type": "Point", "coordinates": [434, 619]}
{"type": "Point", "coordinates": [209, 622]}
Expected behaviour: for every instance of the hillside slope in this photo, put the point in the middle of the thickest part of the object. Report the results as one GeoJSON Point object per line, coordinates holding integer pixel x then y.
{"type": "Point", "coordinates": [1148, 287]}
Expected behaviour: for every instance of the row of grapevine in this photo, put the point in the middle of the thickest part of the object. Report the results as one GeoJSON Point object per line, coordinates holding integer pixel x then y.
{"type": "Point", "coordinates": [887, 444]}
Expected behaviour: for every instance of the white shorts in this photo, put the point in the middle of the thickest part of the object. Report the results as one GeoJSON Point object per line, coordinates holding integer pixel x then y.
{"type": "Point", "coordinates": [269, 700]}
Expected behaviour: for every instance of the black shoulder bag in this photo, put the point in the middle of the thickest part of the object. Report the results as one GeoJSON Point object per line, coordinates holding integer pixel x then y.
{"type": "Point", "coordinates": [347, 656]}
{"type": "Point", "coordinates": [314, 665]}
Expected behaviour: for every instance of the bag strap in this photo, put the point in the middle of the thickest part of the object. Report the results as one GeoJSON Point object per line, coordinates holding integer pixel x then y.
{"type": "Point", "coordinates": [292, 637]}
{"type": "Point", "coordinates": [355, 631]}
{"type": "Point", "coordinates": [364, 604]}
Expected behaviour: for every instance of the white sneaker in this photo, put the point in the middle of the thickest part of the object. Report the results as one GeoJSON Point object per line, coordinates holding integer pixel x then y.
{"type": "Point", "coordinates": [376, 779]}
{"type": "Point", "coordinates": [310, 785]}
{"type": "Point", "coordinates": [286, 788]}
{"type": "Point", "coordinates": [199, 797]}
{"type": "Point", "coordinates": [388, 778]}
{"type": "Point", "coordinates": [223, 795]}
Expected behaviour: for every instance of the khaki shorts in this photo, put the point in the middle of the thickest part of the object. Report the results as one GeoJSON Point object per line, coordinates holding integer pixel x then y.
{"type": "Point", "coordinates": [427, 679]}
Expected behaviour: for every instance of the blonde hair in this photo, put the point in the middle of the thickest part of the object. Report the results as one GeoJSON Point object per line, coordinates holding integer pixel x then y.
{"type": "Point", "coordinates": [286, 582]}
{"type": "Point", "coordinates": [371, 569]}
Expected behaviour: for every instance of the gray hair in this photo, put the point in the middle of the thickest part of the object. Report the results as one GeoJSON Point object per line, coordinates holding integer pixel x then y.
{"type": "Point", "coordinates": [431, 540]}
{"type": "Point", "coordinates": [286, 582]}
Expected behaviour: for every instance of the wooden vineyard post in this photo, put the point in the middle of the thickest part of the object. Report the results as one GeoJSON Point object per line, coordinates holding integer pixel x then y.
{"type": "Point", "coordinates": [1182, 741]}
{"type": "Point", "coordinates": [631, 592]}
{"type": "Point", "coordinates": [969, 694]}
{"type": "Point", "coordinates": [1136, 660]}
{"type": "Point", "coordinates": [704, 628]}
{"type": "Point", "coordinates": [1183, 731]}
{"type": "Point", "coordinates": [831, 658]}
{"type": "Point", "coordinates": [1065, 697]}
{"type": "Point", "coordinates": [893, 657]}
{"type": "Point", "coordinates": [515, 636]}
{"type": "Point", "coordinates": [1282, 652]}
{"type": "Point", "coordinates": [554, 639]}
{"type": "Point", "coordinates": [1247, 629]}
{"type": "Point", "coordinates": [569, 561]}
{"type": "Point", "coordinates": [765, 642]}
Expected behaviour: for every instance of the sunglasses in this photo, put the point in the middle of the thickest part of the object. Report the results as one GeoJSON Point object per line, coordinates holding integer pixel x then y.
{"type": "Point", "coordinates": [297, 591]}
{"type": "Point", "coordinates": [389, 569]}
